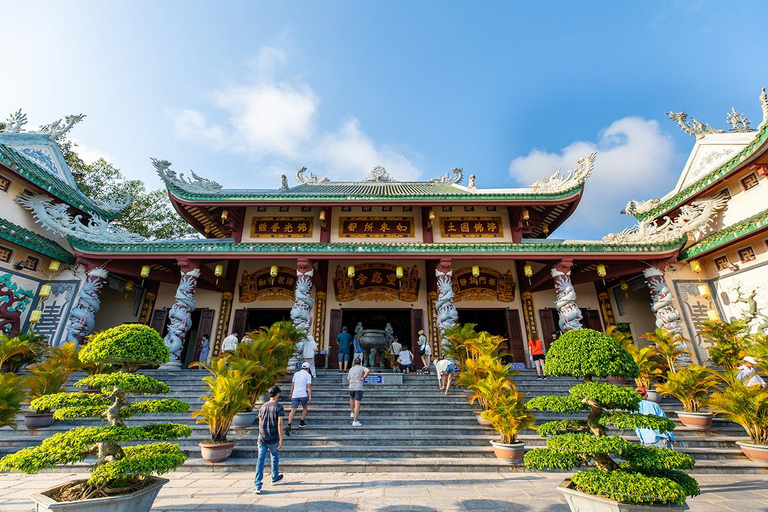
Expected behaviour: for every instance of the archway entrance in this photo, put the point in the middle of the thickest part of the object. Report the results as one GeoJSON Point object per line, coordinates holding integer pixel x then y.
{"type": "Point", "coordinates": [499, 322]}
{"type": "Point", "coordinates": [258, 318]}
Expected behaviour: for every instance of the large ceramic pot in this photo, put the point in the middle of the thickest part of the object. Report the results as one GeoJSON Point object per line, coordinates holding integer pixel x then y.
{"type": "Point", "coordinates": [216, 452]}
{"type": "Point", "coordinates": [512, 453]}
{"type": "Point", "coordinates": [697, 420]}
{"type": "Point", "coordinates": [756, 452]}
{"type": "Point", "coordinates": [484, 422]}
{"type": "Point", "coordinates": [245, 419]}
{"type": "Point", "coordinates": [653, 396]}
{"type": "Point", "coordinates": [583, 502]}
{"type": "Point", "coordinates": [617, 380]}
{"type": "Point", "coordinates": [33, 421]}
{"type": "Point", "coordinates": [139, 501]}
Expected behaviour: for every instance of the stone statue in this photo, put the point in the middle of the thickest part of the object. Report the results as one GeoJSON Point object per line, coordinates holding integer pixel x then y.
{"type": "Point", "coordinates": [301, 312]}
{"type": "Point", "coordinates": [565, 302]}
{"type": "Point", "coordinates": [372, 357]}
{"type": "Point", "coordinates": [560, 183]}
{"type": "Point", "coordinates": [82, 318]}
{"type": "Point", "coordinates": [283, 182]}
{"type": "Point", "coordinates": [389, 333]}
{"type": "Point", "coordinates": [180, 314]}
{"type": "Point", "coordinates": [447, 315]}
{"type": "Point", "coordinates": [471, 183]}
{"type": "Point", "coordinates": [757, 321]}
{"type": "Point", "coordinates": [667, 316]}
{"type": "Point", "coordinates": [359, 331]}
{"type": "Point", "coordinates": [447, 179]}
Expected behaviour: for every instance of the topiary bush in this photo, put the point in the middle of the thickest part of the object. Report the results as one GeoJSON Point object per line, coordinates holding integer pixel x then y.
{"type": "Point", "coordinates": [624, 471]}
{"type": "Point", "coordinates": [117, 470]}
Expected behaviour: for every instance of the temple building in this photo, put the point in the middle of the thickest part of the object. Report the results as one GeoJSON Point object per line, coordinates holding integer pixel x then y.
{"type": "Point", "coordinates": [383, 255]}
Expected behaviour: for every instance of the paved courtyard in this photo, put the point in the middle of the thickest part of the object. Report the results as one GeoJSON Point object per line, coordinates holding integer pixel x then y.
{"type": "Point", "coordinates": [339, 492]}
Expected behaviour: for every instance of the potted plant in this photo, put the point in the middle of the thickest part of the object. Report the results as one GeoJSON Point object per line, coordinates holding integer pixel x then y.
{"type": "Point", "coordinates": [647, 476]}
{"type": "Point", "coordinates": [747, 406]}
{"type": "Point", "coordinates": [12, 394]}
{"type": "Point", "coordinates": [649, 369]}
{"type": "Point", "coordinates": [46, 378]}
{"type": "Point", "coordinates": [19, 351]}
{"type": "Point", "coordinates": [728, 339]}
{"type": "Point", "coordinates": [121, 477]}
{"type": "Point", "coordinates": [669, 346]}
{"type": "Point", "coordinates": [484, 378]}
{"type": "Point", "coordinates": [508, 415]}
{"type": "Point", "coordinates": [691, 385]}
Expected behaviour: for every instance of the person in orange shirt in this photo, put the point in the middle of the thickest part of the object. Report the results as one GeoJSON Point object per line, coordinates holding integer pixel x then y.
{"type": "Point", "coordinates": [536, 348]}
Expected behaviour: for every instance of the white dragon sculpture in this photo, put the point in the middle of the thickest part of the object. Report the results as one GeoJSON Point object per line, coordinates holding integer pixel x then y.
{"type": "Point", "coordinates": [310, 178]}
{"type": "Point", "coordinates": [638, 207]}
{"type": "Point", "coordinates": [447, 179]}
{"type": "Point", "coordinates": [180, 315]}
{"type": "Point", "coordinates": [195, 185]}
{"type": "Point", "coordinates": [16, 121]}
{"type": "Point", "coordinates": [560, 183]}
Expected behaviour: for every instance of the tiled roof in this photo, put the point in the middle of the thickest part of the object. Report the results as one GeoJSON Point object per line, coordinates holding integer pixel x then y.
{"type": "Point", "coordinates": [724, 236]}
{"type": "Point", "coordinates": [33, 172]}
{"type": "Point", "coordinates": [34, 242]}
{"type": "Point", "coordinates": [719, 172]}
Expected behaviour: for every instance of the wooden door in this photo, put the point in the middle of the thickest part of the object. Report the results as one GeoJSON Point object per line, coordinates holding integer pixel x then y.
{"type": "Point", "coordinates": [548, 319]}
{"type": "Point", "coordinates": [241, 317]}
{"type": "Point", "coordinates": [159, 317]}
{"type": "Point", "coordinates": [417, 323]}
{"type": "Point", "coordinates": [592, 319]}
{"type": "Point", "coordinates": [333, 348]}
{"type": "Point", "coordinates": [205, 328]}
{"type": "Point", "coordinates": [516, 343]}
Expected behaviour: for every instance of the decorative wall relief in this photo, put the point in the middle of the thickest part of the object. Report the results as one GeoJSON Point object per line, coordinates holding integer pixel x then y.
{"type": "Point", "coordinates": [606, 309]}
{"type": "Point", "coordinates": [471, 227]}
{"type": "Point", "coordinates": [260, 285]}
{"type": "Point", "coordinates": [54, 309]}
{"type": "Point", "coordinates": [529, 315]}
{"type": "Point", "coordinates": [146, 308]}
{"type": "Point", "coordinates": [694, 311]}
{"type": "Point", "coordinates": [434, 334]}
{"type": "Point", "coordinates": [282, 227]}
{"type": "Point", "coordinates": [225, 310]}
{"type": "Point", "coordinates": [319, 325]}
{"type": "Point", "coordinates": [377, 282]}
{"type": "Point", "coordinates": [14, 300]}
{"type": "Point", "coordinates": [489, 285]}
{"type": "Point", "coordinates": [376, 227]}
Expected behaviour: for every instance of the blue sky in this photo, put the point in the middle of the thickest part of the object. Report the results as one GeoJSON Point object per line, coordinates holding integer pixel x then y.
{"type": "Point", "coordinates": [242, 92]}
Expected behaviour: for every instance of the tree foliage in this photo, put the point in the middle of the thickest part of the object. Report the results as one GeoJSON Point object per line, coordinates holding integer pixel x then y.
{"type": "Point", "coordinates": [728, 340]}
{"type": "Point", "coordinates": [129, 345]}
{"type": "Point", "coordinates": [12, 394]}
{"type": "Point", "coordinates": [690, 385]}
{"type": "Point", "coordinates": [588, 353]}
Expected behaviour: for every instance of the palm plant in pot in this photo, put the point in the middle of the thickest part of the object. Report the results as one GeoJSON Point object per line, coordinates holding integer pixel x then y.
{"type": "Point", "coordinates": [649, 368]}
{"type": "Point", "coordinates": [121, 477]}
{"type": "Point", "coordinates": [747, 406]}
{"type": "Point", "coordinates": [485, 377]}
{"type": "Point", "coordinates": [642, 477]}
{"type": "Point", "coordinates": [669, 346]}
{"type": "Point", "coordinates": [12, 394]}
{"type": "Point", "coordinates": [43, 379]}
{"type": "Point", "coordinates": [691, 385]}
{"type": "Point", "coordinates": [508, 415]}
{"type": "Point", "coordinates": [16, 352]}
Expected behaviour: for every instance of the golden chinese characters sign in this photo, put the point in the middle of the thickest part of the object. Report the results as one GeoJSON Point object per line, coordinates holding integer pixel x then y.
{"type": "Point", "coordinates": [489, 285]}
{"type": "Point", "coordinates": [282, 227]}
{"type": "Point", "coordinates": [471, 227]}
{"type": "Point", "coordinates": [376, 227]}
{"type": "Point", "coordinates": [377, 282]}
{"type": "Point", "coordinates": [262, 286]}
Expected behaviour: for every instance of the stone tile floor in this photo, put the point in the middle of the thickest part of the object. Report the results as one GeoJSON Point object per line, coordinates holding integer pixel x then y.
{"type": "Point", "coordinates": [375, 492]}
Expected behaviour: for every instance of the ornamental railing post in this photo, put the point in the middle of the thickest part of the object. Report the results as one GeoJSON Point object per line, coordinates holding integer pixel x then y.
{"type": "Point", "coordinates": [565, 301]}
{"type": "Point", "coordinates": [180, 314]}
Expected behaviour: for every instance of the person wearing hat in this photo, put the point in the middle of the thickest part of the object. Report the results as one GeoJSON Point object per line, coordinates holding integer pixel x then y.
{"type": "Point", "coordinates": [356, 377]}
{"type": "Point", "coordinates": [649, 437]}
{"type": "Point", "coordinates": [344, 341]}
{"type": "Point", "coordinates": [424, 350]}
{"type": "Point", "coordinates": [301, 394]}
{"type": "Point", "coordinates": [747, 373]}
{"type": "Point", "coordinates": [270, 438]}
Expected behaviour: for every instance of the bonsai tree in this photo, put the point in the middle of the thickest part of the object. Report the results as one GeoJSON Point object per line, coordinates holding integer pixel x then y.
{"type": "Point", "coordinates": [744, 405]}
{"type": "Point", "coordinates": [643, 474]}
{"type": "Point", "coordinates": [19, 351]}
{"type": "Point", "coordinates": [728, 341]}
{"type": "Point", "coordinates": [690, 385]}
{"type": "Point", "coordinates": [117, 470]}
{"type": "Point", "coordinates": [12, 394]}
{"type": "Point", "coordinates": [669, 345]}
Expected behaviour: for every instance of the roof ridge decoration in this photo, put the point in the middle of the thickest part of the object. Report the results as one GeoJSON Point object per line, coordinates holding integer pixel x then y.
{"type": "Point", "coordinates": [446, 179]}
{"type": "Point", "coordinates": [194, 185]}
{"type": "Point", "coordinates": [635, 207]}
{"type": "Point", "coordinates": [693, 220]}
{"type": "Point", "coordinates": [379, 174]}
{"type": "Point", "coordinates": [560, 183]}
{"type": "Point", "coordinates": [311, 178]}
{"type": "Point", "coordinates": [738, 121]}
{"type": "Point", "coordinates": [55, 218]}
{"type": "Point", "coordinates": [764, 108]}
{"type": "Point", "coordinates": [16, 121]}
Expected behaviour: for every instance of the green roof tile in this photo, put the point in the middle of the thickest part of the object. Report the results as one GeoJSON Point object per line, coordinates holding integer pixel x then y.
{"type": "Point", "coordinates": [30, 240]}
{"type": "Point", "coordinates": [724, 236]}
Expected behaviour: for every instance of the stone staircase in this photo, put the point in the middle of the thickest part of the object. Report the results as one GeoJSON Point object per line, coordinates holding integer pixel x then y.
{"type": "Point", "coordinates": [408, 427]}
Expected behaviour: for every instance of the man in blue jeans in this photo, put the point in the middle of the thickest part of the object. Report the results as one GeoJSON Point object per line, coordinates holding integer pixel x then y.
{"type": "Point", "coordinates": [270, 437]}
{"type": "Point", "coordinates": [344, 341]}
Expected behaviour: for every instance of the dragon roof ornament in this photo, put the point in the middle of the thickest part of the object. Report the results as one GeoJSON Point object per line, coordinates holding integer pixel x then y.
{"type": "Point", "coordinates": [693, 220]}
{"type": "Point", "coordinates": [16, 121]}
{"type": "Point", "coordinates": [310, 178]}
{"type": "Point", "coordinates": [738, 121]}
{"type": "Point", "coordinates": [446, 179]}
{"type": "Point", "coordinates": [55, 217]}
{"type": "Point", "coordinates": [637, 207]}
{"type": "Point", "coordinates": [379, 173]}
{"type": "Point", "coordinates": [194, 185]}
{"type": "Point", "coordinates": [560, 183]}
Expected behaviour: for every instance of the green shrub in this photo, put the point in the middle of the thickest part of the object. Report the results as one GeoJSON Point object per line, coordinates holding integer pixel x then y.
{"type": "Point", "coordinates": [227, 395]}
{"type": "Point", "coordinates": [12, 394]}
{"type": "Point", "coordinates": [116, 469]}
{"type": "Point", "coordinates": [19, 351]}
{"type": "Point", "coordinates": [646, 475]}
{"type": "Point", "coordinates": [728, 339]}
{"type": "Point", "coordinates": [745, 405]}
{"type": "Point", "coordinates": [46, 378]}
{"type": "Point", "coordinates": [690, 385]}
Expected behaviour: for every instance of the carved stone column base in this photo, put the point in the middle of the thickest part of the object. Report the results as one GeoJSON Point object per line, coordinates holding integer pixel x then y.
{"type": "Point", "coordinates": [171, 366]}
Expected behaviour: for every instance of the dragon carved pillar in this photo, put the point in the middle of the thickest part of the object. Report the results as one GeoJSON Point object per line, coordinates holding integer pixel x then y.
{"type": "Point", "coordinates": [667, 316]}
{"type": "Point", "coordinates": [447, 316]}
{"type": "Point", "coordinates": [301, 312]}
{"type": "Point", "coordinates": [565, 302]}
{"type": "Point", "coordinates": [82, 318]}
{"type": "Point", "coordinates": [180, 314]}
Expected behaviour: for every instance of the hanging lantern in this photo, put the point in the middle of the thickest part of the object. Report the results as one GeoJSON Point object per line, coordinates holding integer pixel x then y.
{"type": "Point", "coordinates": [273, 271]}
{"type": "Point", "coordinates": [34, 316]}
{"type": "Point", "coordinates": [45, 291]}
{"type": "Point", "coordinates": [218, 270]}
{"type": "Point", "coordinates": [545, 228]}
{"type": "Point", "coordinates": [351, 271]}
{"type": "Point", "coordinates": [601, 270]}
{"type": "Point", "coordinates": [475, 271]}
{"type": "Point", "coordinates": [712, 315]}
{"type": "Point", "coordinates": [128, 285]}
{"type": "Point", "coordinates": [399, 272]}
{"type": "Point", "coordinates": [322, 215]}
{"type": "Point", "coordinates": [528, 270]}
{"type": "Point", "coordinates": [623, 285]}
{"type": "Point", "coordinates": [224, 216]}
{"type": "Point", "coordinates": [703, 290]}
{"type": "Point", "coordinates": [54, 265]}
{"type": "Point", "coordinates": [432, 215]}
{"type": "Point", "coordinates": [695, 266]}
{"type": "Point", "coordinates": [145, 271]}
{"type": "Point", "coordinates": [525, 214]}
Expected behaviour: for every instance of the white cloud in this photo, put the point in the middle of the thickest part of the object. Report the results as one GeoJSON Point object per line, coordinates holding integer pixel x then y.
{"type": "Point", "coordinates": [190, 124]}
{"type": "Point", "coordinates": [90, 154]}
{"type": "Point", "coordinates": [634, 161]}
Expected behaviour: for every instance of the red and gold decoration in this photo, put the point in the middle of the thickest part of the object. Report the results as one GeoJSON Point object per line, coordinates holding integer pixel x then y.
{"type": "Point", "coordinates": [529, 315]}
{"type": "Point", "coordinates": [471, 227]}
{"type": "Point", "coordinates": [146, 308]}
{"type": "Point", "coordinates": [376, 227]}
{"type": "Point", "coordinates": [318, 328]}
{"type": "Point", "coordinates": [225, 310]}
{"type": "Point", "coordinates": [263, 285]}
{"type": "Point", "coordinates": [606, 309]}
{"type": "Point", "coordinates": [434, 334]}
{"type": "Point", "coordinates": [282, 227]}
{"type": "Point", "coordinates": [377, 282]}
{"type": "Point", "coordinates": [480, 283]}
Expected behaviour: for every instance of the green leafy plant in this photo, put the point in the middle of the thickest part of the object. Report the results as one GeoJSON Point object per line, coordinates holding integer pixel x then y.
{"type": "Point", "coordinates": [456, 339]}
{"type": "Point", "coordinates": [758, 348]}
{"type": "Point", "coordinates": [508, 414]}
{"type": "Point", "coordinates": [690, 385]}
{"type": "Point", "coordinates": [128, 346]}
{"type": "Point", "coordinates": [622, 338]}
{"type": "Point", "coordinates": [117, 469]}
{"type": "Point", "coordinates": [649, 365]}
{"type": "Point", "coordinates": [12, 394]}
{"type": "Point", "coordinates": [46, 378]}
{"type": "Point", "coordinates": [728, 340]}
{"type": "Point", "coordinates": [624, 471]}
{"type": "Point", "coordinates": [744, 405]}
{"type": "Point", "coordinates": [669, 346]}
{"type": "Point", "coordinates": [19, 351]}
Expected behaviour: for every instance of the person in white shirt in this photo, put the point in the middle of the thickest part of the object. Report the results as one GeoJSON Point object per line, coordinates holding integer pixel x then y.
{"type": "Point", "coordinates": [445, 368]}
{"type": "Point", "coordinates": [394, 351]}
{"type": "Point", "coordinates": [301, 394]}
{"type": "Point", "coordinates": [230, 342]}
{"type": "Point", "coordinates": [406, 360]}
{"type": "Point", "coordinates": [747, 373]}
{"type": "Point", "coordinates": [308, 353]}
